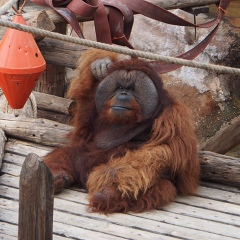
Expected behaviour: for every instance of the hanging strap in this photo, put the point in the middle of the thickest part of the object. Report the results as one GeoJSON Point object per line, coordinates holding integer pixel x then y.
{"type": "Point", "coordinates": [117, 28]}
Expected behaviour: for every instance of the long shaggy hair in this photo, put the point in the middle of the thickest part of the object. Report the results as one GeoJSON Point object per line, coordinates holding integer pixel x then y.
{"type": "Point", "coordinates": [131, 176]}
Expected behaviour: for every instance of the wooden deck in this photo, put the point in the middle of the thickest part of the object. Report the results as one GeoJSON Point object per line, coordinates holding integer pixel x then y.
{"type": "Point", "coordinates": [213, 214]}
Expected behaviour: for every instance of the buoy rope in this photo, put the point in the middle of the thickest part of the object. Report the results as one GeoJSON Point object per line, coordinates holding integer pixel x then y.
{"type": "Point", "coordinates": [119, 49]}
{"type": "Point", "coordinates": [34, 104]}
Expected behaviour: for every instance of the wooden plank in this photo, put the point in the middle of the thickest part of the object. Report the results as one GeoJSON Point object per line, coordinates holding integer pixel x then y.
{"type": "Point", "coordinates": [74, 196]}
{"type": "Point", "coordinates": [160, 216]}
{"type": "Point", "coordinates": [220, 229]}
{"type": "Point", "coordinates": [9, 180]}
{"type": "Point", "coordinates": [93, 229]}
{"type": "Point", "coordinates": [79, 233]}
{"type": "Point", "coordinates": [36, 193]}
{"type": "Point", "coordinates": [178, 208]}
{"type": "Point", "coordinates": [14, 159]}
{"type": "Point", "coordinates": [11, 169]}
{"type": "Point", "coordinates": [198, 202]}
{"type": "Point", "coordinates": [198, 212]}
{"type": "Point", "coordinates": [8, 229]}
{"type": "Point", "coordinates": [221, 186]}
{"type": "Point", "coordinates": [64, 229]}
{"type": "Point", "coordinates": [109, 226]}
{"type": "Point", "coordinates": [5, 217]}
{"type": "Point", "coordinates": [210, 204]}
{"type": "Point", "coordinates": [221, 195]}
{"type": "Point", "coordinates": [7, 237]}
{"type": "Point", "coordinates": [197, 217]}
{"type": "Point", "coordinates": [80, 209]}
{"type": "Point", "coordinates": [194, 226]}
{"type": "Point", "coordinates": [24, 148]}
{"type": "Point", "coordinates": [132, 220]}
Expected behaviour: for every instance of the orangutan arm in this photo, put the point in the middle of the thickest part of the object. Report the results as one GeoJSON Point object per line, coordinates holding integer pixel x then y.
{"type": "Point", "coordinates": [134, 172]}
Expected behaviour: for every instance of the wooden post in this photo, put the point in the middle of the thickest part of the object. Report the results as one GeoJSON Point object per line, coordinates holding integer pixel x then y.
{"type": "Point", "coordinates": [36, 193]}
{"type": "Point", "coordinates": [220, 168]}
{"type": "Point", "coordinates": [225, 139]}
{"type": "Point", "coordinates": [2, 145]}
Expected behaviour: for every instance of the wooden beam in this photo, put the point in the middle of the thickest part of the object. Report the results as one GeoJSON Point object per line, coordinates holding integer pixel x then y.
{"type": "Point", "coordinates": [36, 194]}
{"type": "Point", "coordinates": [41, 20]}
{"type": "Point", "coordinates": [54, 116]}
{"type": "Point", "coordinates": [53, 103]}
{"type": "Point", "coordinates": [220, 168]}
{"type": "Point", "coordinates": [61, 53]}
{"type": "Point", "coordinates": [225, 139]}
{"type": "Point", "coordinates": [40, 130]}
{"type": "Point", "coordinates": [58, 52]}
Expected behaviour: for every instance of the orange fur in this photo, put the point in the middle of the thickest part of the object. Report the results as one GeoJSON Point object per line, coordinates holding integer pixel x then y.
{"type": "Point", "coordinates": [173, 147]}
{"type": "Point", "coordinates": [129, 177]}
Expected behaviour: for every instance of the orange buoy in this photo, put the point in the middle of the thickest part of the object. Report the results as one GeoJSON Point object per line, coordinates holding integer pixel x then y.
{"type": "Point", "coordinates": [21, 64]}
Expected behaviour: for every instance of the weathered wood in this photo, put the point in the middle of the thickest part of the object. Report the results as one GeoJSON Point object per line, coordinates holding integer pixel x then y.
{"type": "Point", "coordinates": [225, 139]}
{"type": "Point", "coordinates": [52, 80]}
{"type": "Point", "coordinates": [84, 219]}
{"type": "Point", "coordinates": [220, 168]}
{"type": "Point", "coordinates": [2, 145]}
{"type": "Point", "coordinates": [53, 103]}
{"type": "Point", "coordinates": [36, 193]}
{"type": "Point", "coordinates": [211, 214]}
{"type": "Point", "coordinates": [42, 131]}
{"type": "Point", "coordinates": [54, 116]}
{"type": "Point", "coordinates": [61, 53]}
{"type": "Point", "coordinates": [175, 214]}
{"type": "Point", "coordinates": [23, 148]}
{"type": "Point", "coordinates": [41, 20]}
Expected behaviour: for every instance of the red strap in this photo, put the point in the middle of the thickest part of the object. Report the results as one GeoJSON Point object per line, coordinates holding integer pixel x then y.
{"type": "Point", "coordinates": [82, 8]}
{"type": "Point", "coordinates": [118, 28]}
{"type": "Point", "coordinates": [101, 24]}
{"type": "Point", "coordinates": [64, 12]}
{"type": "Point", "coordinates": [117, 34]}
{"type": "Point", "coordinates": [163, 67]}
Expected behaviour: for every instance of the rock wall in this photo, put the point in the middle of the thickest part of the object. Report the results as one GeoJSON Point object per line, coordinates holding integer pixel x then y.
{"type": "Point", "coordinates": [213, 97]}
